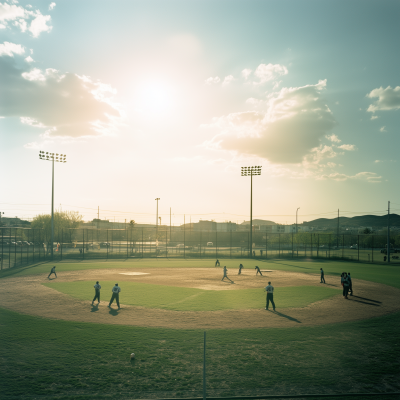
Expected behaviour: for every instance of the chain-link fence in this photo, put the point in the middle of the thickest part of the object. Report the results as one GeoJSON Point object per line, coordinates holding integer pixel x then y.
{"type": "Point", "coordinates": [21, 246]}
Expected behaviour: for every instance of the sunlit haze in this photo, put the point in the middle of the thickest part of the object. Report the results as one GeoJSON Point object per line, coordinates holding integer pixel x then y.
{"type": "Point", "coordinates": [169, 99]}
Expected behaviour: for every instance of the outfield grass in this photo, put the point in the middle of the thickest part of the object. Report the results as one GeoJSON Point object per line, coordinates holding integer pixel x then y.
{"type": "Point", "coordinates": [190, 299]}
{"type": "Point", "coordinates": [63, 359]}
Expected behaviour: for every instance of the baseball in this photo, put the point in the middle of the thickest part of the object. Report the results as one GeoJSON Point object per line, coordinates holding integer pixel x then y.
{"type": "Point", "coordinates": [132, 356]}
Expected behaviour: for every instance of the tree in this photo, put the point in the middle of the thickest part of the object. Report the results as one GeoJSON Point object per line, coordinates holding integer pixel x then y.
{"type": "Point", "coordinates": [66, 220]}
{"type": "Point", "coordinates": [367, 231]}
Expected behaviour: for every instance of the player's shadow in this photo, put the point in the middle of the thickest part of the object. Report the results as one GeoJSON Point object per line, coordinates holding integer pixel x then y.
{"type": "Point", "coordinates": [363, 300]}
{"type": "Point", "coordinates": [95, 307]}
{"type": "Point", "coordinates": [229, 281]}
{"type": "Point", "coordinates": [113, 312]}
{"type": "Point", "coordinates": [50, 279]}
{"type": "Point", "coordinates": [287, 316]}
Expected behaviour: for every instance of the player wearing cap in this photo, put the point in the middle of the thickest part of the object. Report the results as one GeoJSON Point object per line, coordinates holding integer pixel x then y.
{"type": "Point", "coordinates": [270, 295]}
{"type": "Point", "coordinates": [97, 288]}
{"type": "Point", "coordinates": [115, 295]}
{"type": "Point", "coordinates": [226, 275]}
{"type": "Point", "coordinates": [258, 270]}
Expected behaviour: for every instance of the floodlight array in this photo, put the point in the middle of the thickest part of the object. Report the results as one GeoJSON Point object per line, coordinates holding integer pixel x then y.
{"type": "Point", "coordinates": [52, 156]}
{"type": "Point", "coordinates": [249, 171]}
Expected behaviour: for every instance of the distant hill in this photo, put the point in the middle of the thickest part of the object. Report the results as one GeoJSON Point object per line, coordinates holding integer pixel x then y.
{"type": "Point", "coordinates": [259, 222]}
{"type": "Point", "coordinates": [374, 221]}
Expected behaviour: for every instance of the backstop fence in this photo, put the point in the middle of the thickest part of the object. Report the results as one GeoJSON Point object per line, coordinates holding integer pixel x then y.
{"type": "Point", "coordinates": [21, 246]}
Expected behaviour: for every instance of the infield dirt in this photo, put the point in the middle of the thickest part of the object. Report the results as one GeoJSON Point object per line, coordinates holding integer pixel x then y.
{"type": "Point", "coordinates": [27, 295]}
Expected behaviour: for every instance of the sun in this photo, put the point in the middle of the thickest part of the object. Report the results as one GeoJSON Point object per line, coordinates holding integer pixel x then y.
{"type": "Point", "coordinates": [155, 99]}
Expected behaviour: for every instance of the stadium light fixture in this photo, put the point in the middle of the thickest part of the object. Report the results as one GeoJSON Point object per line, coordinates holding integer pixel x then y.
{"type": "Point", "coordinates": [250, 171]}
{"type": "Point", "coordinates": [53, 157]}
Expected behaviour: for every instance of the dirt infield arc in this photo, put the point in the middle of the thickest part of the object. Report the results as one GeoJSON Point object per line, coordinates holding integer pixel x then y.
{"type": "Point", "coordinates": [27, 295]}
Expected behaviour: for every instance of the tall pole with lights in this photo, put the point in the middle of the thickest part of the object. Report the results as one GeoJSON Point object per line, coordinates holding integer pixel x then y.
{"type": "Point", "coordinates": [57, 158]}
{"type": "Point", "coordinates": [298, 208]}
{"type": "Point", "coordinates": [250, 171]}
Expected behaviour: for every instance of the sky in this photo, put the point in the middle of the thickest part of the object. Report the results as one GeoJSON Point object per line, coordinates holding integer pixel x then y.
{"type": "Point", "coordinates": [169, 99]}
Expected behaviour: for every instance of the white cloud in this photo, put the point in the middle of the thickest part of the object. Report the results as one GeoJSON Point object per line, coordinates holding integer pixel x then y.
{"type": "Point", "coordinates": [65, 104]}
{"type": "Point", "coordinates": [212, 80]}
{"type": "Point", "coordinates": [291, 125]}
{"type": "Point", "coordinates": [378, 161]}
{"type": "Point", "coordinates": [228, 79]}
{"type": "Point", "coordinates": [374, 117]}
{"type": "Point", "coordinates": [39, 25]}
{"type": "Point", "coordinates": [51, 6]}
{"type": "Point", "coordinates": [9, 49]}
{"type": "Point", "coordinates": [268, 72]}
{"type": "Point", "coordinates": [348, 147]}
{"type": "Point", "coordinates": [383, 129]}
{"type": "Point", "coordinates": [370, 177]}
{"type": "Point", "coordinates": [24, 18]}
{"type": "Point", "coordinates": [333, 138]}
{"type": "Point", "coordinates": [246, 73]}
{"type": "Point", "coordinates": [34, 75]}
{"type": "Point", "coordinates": [388, 99]}
{"type": "Point", "coordinates": [29, 59]}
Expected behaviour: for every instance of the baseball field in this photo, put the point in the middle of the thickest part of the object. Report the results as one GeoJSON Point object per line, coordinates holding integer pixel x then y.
{"type": "Point", "coordinates": [56, 344]}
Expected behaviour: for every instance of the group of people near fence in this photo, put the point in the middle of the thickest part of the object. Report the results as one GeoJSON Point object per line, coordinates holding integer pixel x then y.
{"type": "Point", "coordinates": [345, 280]}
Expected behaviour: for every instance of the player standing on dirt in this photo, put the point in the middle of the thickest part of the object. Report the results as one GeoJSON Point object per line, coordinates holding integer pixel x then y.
{"type": "Point", "coordinates": [115, 295]}
{"type": "Point", "coordinates": [258, 271]}
{"type": "Point", "coordinates": [226, 275]}
{"type": "Point", "coordinates": [240, 269]}
{"type": "Point", "coordinates": [270, 295]}
{"type": "Point", "coordinates": [53, 271]}
{"type": "Point", "coordinates": [322, 276]}
{"type": "Point", "coordinates": [97, 288]}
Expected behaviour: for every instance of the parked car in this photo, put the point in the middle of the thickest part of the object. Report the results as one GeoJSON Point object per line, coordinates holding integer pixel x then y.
{"type": "Point", "coordinates": [209, 243]}
{"type": "Point", "coordinates": [105, 244]}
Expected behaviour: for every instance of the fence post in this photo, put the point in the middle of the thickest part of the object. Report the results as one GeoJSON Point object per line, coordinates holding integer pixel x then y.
{"type": "Point", "coordinates": [62, 241]}
{"type": "Point", "coordinates": [358, 247]}
{"type": "Point", "coordinates": [329, 247]}
{"type": "Point", "coordinates": [318, 246]}
{"type": "Point", "coordinates": [142, 242]}
{"type": "Point", "coordinates": [83, 244]}
{"type": "Point", "coordinates": [279, 245]}
{"type": "Point", "coordinates": [266, 245]}
{"type": "Point", "coordinates": [373, 248]}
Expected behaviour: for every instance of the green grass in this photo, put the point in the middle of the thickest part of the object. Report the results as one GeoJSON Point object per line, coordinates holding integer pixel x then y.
{"type": "Point", "coordinates": [389, 275]}
{"type": "Point", "coordinates": [71, 360]}
{"type": "Point", "coordinates": [62, 359]}
{"type": "Point", "coordinates": [190, 299]}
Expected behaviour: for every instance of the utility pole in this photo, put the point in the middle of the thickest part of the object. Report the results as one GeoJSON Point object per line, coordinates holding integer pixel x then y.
{"type": "Point", "coordinates": [157, 219]}
{"type": "Point", "coordinates": [337, 228]}
{"type": "Point", "coordinates": [98, 212]}
{"type": "Point", "coordinates": [170, 224]}
{"type": "Point", "coordinates": [298, 208]}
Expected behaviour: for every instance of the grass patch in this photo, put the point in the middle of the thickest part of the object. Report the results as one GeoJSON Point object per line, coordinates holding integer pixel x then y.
{"type": "Point", "coordinates": [190, 299]}
{"type": "Point", "coordinates": [63, 359]}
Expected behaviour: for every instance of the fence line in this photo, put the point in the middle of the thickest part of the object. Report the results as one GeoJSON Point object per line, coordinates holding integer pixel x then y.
{"type": "Point", "coordinates": [21, 246]}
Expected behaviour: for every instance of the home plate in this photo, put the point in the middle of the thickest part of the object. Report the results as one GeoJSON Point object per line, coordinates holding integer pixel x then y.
{"type": "Point", "coordinates": [135, 273]}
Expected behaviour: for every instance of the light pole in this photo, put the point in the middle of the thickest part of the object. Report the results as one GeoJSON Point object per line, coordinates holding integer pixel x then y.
{"type": "Point", "coordinates": [157, 219]}
{"type": "Point", "coordinates": [250, 171]}
{"type": "Point", "coordinates": [57, 158]}
{"type": "Point", "coordinates": [298, 208]}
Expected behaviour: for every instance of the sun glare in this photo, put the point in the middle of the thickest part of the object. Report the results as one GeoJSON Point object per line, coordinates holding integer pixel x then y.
{"type": "Point", "coordinates": [155, 100]}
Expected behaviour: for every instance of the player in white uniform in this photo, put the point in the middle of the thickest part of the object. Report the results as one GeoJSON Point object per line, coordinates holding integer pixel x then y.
{"type": "Point", "coordinates": [115, 295]}
{"type": "Point", "coordinates": [97, 288]}
{"type": "Point", "coordinates": [270, 295]}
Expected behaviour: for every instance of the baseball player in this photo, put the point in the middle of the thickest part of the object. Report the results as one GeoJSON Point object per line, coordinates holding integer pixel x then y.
{"type": "Point", "coordinates": [270, 295]}
{"type": "Point", "coordinates": [350, 284]}
{"type": "Point", "coordinates": [217, 263]}
{"type": "Point", "coordinates": [115, 295]}
{"type": "Point", "coordinates": [258, 271]}
{"type": "Point", "coordinates": [240, 269]}
{"type": "Point", "coordinates": [53, 271]}
{"type": "Point", "coordinates": [97, 288]}
{"type": "Point", "coordinates": [226, 275]}
{"type": "Point", "coordinates": [322, 276]}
